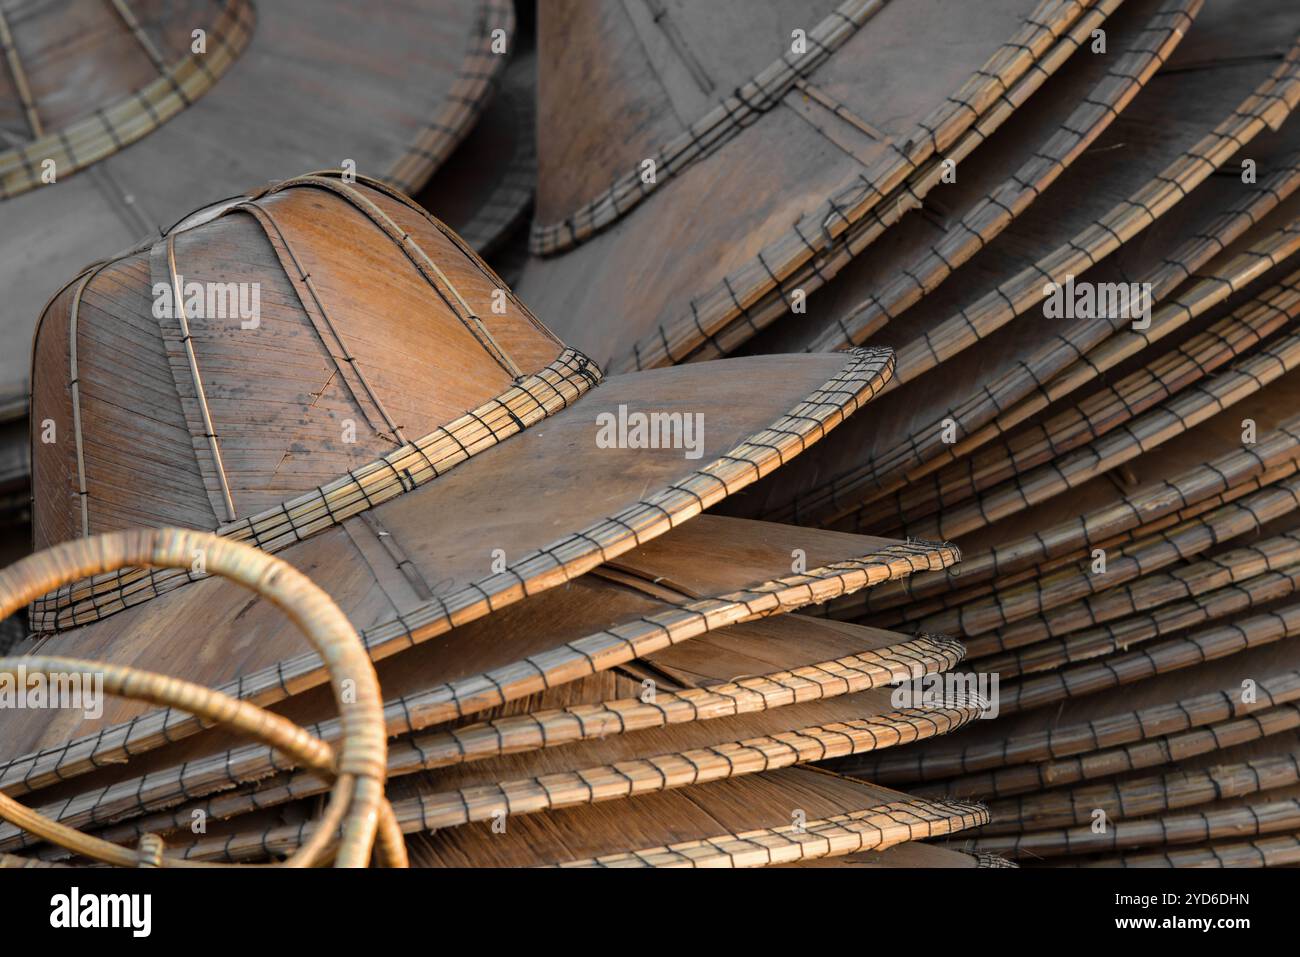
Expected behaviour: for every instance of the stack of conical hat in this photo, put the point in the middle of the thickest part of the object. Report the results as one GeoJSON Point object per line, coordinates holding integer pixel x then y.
{"type": "Point", "coordinates": [1124, 495]}
{"type": "Point", "coordinates": [577, 667]}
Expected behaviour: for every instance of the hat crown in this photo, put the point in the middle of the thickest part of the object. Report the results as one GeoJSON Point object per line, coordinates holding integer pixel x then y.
{"type": "Point", "coordinates": [264, 347]}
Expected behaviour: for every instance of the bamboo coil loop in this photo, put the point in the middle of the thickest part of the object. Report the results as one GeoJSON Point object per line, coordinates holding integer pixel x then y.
{"type": "Point", "coordinates": [357, 806]}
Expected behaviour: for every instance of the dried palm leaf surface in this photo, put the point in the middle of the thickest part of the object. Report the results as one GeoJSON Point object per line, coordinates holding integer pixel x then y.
{"type": "Point", "coordinates": [1237, 818]}
{"type": "Point", "coordinates": [1281, 851]}
{"type": "Point", "coordinates": [1224, 689]}
{"type": "Point", "coordinates": [757, 814]}
{"type": "Point", "coordinates": [1048, 136]}
{"type": "Point", "coordinates": [1258, 767]}
{"type": "Point", "coordinates": [402, 348]}
{"type": "Point", "coordinates": [288, 86]}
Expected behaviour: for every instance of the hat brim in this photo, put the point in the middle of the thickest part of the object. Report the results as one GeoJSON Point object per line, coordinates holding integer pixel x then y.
{"type": "Point", "coordinates": [485, 189]}
{"type": "Point", "coordinates": [555, 652]}
{"type": "Point", "coordinates": [737, 822]}
{"type": "Point", "coordinates": [521, 517]}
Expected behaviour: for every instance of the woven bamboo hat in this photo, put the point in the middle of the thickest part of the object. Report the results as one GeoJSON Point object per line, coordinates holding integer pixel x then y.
{"type": "Point", "coordinates": [554, 690]}
{"type": "Point", "coordinates": [470, 423]}
{"type": "Point", "coordinates": [134, 107]}
{"type": "Point", "coordinates": [758, 136]}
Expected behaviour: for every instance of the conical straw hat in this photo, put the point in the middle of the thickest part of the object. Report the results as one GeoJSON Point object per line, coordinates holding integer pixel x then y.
{"type": "Point", "coordinates": [138, 125]}
{"type": "Point", "coordinates": [1001, 176]}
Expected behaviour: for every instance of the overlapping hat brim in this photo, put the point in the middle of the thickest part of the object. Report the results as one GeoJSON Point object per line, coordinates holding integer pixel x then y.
{"type": "Point", "coordinates": [999, 182]}
{"type": "Point", "coordinates": [743, 821]}
{"type": "Point", "coordinates": [913, 854]}
{"type": "Point", "coordinates": [1120, 643]}
{"type": "Point", "coordinates": [309, 83]}
{"type": "Point", "coordinates": [1176, 497]}
{"type": "Point", "coordinates": [1001, 177]}
{"type": "Point", "coordinates": [1164, 751]}
{"type": "Point", "coordinates": [1203, 489]}
{"type": "Point", "coordinates": [1162, 705]}
{"type": "Point", "coordinates": [523, 516]}
{"type": "Point", "coordinates": [1224, 513]}
{"type": "Point", "coordinates": [696, 718]}
{"type": "Point", "coordinates": [1280, 851]}
{"type": "Point", "coordinates": [960, 334]}
{"type": "Point", "coordinates": [1159, 563]}
{"type": "Point", "coordinates": [1259, 767]}
{"type": "Point", "coordinates": [807, 152]}
{"type": "Point", "coordinates": [620, 767]}
{"type": "Point", "coordinates": [1149, 127]}
{"type": "Point", "coordinates": [1200, 362]}
{"type": "Point", "coordinates": [556, 649]}
{"type": "Point", "coordinates": [1255, 815]}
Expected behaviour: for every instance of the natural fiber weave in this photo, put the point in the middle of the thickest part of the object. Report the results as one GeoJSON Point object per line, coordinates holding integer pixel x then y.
{"type": "Point", "coordinates": [1127, 633]}
{"type": "Point", "coordinates": [357, 803]}
{"type": "Point", "coordinates": [528, 401]}
{"type": "Point", "coordinates": [1101, 412]}
{"type": "Point", "coordinates": [476, 83]}
{"type": "Point", "coordinates": [821, 411]}
{"type": "Point", "coordinates": [1283, 851]}
{"type": "Point", "coordinates": [1170, 419]}
{"type": "Point", "coordinates": [1125, 799]}
{"type": "Point", "coordinates": [1020, 613]}
{"type": "Point", "coordinates": [476, 693]}
{"type": "Point", "coordinates": [508, 735]}
{"type": "Point", "coordinates": [1252, 820]}
{"type": "Point", "coordinates": [1111, 731]}
{"type": "Point", "coordinates": [1058, 369]}
{"type": "Point", "coordinates": [1199, 740]}
{"type": "Point", "coordinates": [1133, 666]}
{"type": "Point", "coordinates": [625, 779]}
{"type": "Point", "coordinates": [545, 729]}
{"type": "Point", "coordinates": [873, 829]}
{"type": "Point", "coordinates": [1009, 563]}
